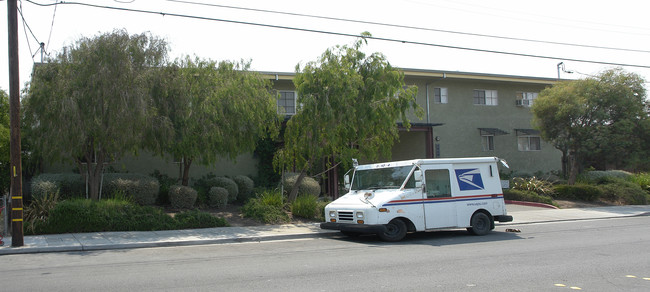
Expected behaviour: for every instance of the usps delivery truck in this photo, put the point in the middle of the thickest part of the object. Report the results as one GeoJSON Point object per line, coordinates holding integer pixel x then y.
{"type": "Point", "coordinates": [393, 198]}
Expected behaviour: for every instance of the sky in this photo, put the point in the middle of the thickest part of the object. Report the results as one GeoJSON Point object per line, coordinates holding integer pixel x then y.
{"type": "Point", "coordinates": [446, 35]}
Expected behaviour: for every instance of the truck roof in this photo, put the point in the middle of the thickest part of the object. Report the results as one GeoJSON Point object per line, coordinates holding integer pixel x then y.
{"type": "Point", "coordinates": [429, 161]}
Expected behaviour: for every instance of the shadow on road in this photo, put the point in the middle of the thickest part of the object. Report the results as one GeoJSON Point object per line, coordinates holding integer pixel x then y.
{"type": "Point", "coordinates": [437, 238]}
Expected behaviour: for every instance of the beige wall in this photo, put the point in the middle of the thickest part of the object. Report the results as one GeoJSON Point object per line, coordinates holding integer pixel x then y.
{"type": "Point", "coordinates": [146, 163]}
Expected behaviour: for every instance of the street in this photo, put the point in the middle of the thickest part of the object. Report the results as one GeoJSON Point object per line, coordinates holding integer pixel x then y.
{"type": "Point", "coordinates": [591, 255]}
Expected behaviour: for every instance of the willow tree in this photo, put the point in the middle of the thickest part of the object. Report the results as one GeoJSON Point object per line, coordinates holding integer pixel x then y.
{"type": "Point", "coordinates": [4, 142]}
{"type": "Point", "coordinates": [216, 110]}
{"type": "Point", "coordinates": [350, 104]}
{"type": "Point", "coordinates": [91, 104]}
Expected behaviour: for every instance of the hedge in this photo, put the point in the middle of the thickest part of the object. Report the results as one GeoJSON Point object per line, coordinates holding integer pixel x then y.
{"type": "Point", "coordinates": [217, 197]}
{"type": "Point", "coordinates": [582, 192]}
{"type": "Point", "coordinates": [204, 184]}
{"type": "Point", "coordinates": [69, 185]}
{"type": "Point", "coordinates": [182, 197]}
{"type": "Point", "coordinates": [245, 186]}
{"type": "Point", "coordinates": [142, 188]}
{"type": "Point", "coordinates": [526, 196]}
{"type": "Point", "coordinates": [308, 186]}
{"type": "Point", "coordinates": [81, 215]}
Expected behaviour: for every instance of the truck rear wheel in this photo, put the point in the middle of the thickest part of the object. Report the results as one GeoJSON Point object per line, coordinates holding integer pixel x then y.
{"type": "Point", "coordinates": [395, 231]}
{"type": "Point", "coordinates": [481, 224]}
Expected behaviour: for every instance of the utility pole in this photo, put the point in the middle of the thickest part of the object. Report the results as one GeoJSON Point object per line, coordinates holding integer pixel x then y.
{"type": "Point", "coordinates": [16, 192]}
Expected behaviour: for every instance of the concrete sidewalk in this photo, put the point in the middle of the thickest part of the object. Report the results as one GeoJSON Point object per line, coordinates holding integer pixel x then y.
{"type": "Point", "coordinates": [141, 239]}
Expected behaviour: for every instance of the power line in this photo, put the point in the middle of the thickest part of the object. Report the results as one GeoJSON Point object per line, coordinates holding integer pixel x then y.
{"type": "Point", "coordinates": [51, 27]}
{"type": "Point", "coordinates": [409, 27]}
{"type": "Point", "coordinates": [343, 34]}
{"type": "Point", "coordinates": [27, 28]}
{"type": "Point", "coordinates": [590, 24]}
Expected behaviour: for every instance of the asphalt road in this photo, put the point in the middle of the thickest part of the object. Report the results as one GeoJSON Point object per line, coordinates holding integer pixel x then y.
{"type": "Point", "coordinates": [596, 255]}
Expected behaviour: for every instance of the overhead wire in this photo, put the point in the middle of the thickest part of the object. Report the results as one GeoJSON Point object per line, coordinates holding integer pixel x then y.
{"type": "Point", "coordinates": [409, 27]}
{"type": "Point", "coordinates": [342, 34]}
{"type": "Point", "coordinates": [589, 25]}
{"type": "Point", "coordinates": [51, 28]}
{"type": "Point", "coordinates": [26, 28]}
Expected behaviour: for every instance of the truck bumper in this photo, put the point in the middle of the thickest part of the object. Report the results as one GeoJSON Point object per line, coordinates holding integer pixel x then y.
{"type": "Point", "coordinates": [358, 228]}
{"type": "Point", "coordinates": [503, 218]}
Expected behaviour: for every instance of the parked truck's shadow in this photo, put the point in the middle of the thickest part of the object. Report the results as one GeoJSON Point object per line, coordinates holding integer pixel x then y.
{"type": "Point", "coordinates": [438, 238]}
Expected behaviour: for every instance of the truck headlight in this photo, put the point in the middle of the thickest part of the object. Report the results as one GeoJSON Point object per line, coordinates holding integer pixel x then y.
{"type": "Point", "coordinates": [359, 215]}
{"type": "Point", "coordinates": [332, 214]}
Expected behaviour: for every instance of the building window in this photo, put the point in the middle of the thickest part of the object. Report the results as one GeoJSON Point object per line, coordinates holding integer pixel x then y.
{"type": "Point", "coordinates": [488, 142]}
{"type": "Point", "coordinates": [287, 102]}
{"type": "Point", "coordinates": [529, 143]}
{"type": "Point", "coordinates": [485, 97]}
{"type": "Point", "coordinates": [526, 98]}
{"type": "Point", "coordinates": [440, 95]}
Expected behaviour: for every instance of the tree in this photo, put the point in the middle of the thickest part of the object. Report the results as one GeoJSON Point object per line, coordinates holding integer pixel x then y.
{"type": "Point", "coordinates": [349, 107]}
{"type": "Point", "coordinates": [92, 103]}
{"type": "Point", "coordinates": [5, 181]}
{"type": "Point", "coordinates": [595, 119]}
{"type": "Point", "coordinates": [215, 109]}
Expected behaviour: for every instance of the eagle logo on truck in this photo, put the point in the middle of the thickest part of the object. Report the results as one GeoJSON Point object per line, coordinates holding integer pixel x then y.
{"type": "Point", "coordinates": [469, 179]}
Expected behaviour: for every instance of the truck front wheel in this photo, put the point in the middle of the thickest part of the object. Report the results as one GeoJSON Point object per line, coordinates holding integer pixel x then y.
{"type": "Point", "coordinates": [395, 231]}
{"type": "Point", "coordinates": [481, 224]}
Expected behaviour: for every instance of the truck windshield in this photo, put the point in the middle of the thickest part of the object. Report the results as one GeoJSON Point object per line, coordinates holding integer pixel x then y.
{"type": "Point", "coordinates": [380, 178]}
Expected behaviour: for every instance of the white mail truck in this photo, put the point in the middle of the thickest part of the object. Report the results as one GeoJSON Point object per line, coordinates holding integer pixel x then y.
{"type": "Point", "coordinates": [393, 198]}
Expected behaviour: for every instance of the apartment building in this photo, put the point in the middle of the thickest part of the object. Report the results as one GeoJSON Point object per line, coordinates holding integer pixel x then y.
{"type": "Point", "coordinates": [466, 115]}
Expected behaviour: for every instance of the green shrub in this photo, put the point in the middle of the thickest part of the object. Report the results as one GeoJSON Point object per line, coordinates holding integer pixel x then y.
{"type": "Point", "coordinates": [69, 185]}
{"type": "Point", "coordinates": [198, 219]}
{"type": "Point", "coordinates": [308, 186]}
{"type": "Point", "coordinates": [245, 186]}
{"type": "Point", "coordinates": [268, 207]}
{"type": "Point", "coordinates": [37, 212]}
{"type": "Point", "coordinates": [182, 197]}
{"type": "Point", "coordinates": [321, 209]}
{"type": "Point", "coordinates": [81, 215]}
{"type": "Point", "coordinates": [229, 185]}
{"type": "Point", "coordinates": [43, 188]}
{"type": "Point", "coordinates": [205, 183]}
{"type": "Point", "coordinates": [643, 180]}
{"type": "Point", "coordinates": [217, 197]}
{"type": "Point", "coordinates": [144, 189]}
{"type": "Point", "coordinates": [305, 206]}
{"type": "Point", "coordinates": [624, 192]}
{"type": "Point", "coordinates": [582, 192]}
{"type": "Point", "coordinates": [533, 184]}
{"type": "Point", "coordinates": [165, 183]}
{"type": "Point", "coordinates": [598, 176]}
{"type": "Point", "coordinates": [526, 196]}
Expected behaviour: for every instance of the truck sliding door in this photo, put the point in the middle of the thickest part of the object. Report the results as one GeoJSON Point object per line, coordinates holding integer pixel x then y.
{"type": "Point", "coordinates": [439, 205]}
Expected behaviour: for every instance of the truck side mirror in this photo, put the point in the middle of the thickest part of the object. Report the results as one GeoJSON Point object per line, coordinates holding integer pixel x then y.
{"type": "Point", "coordinates": [417, 175]}
{"type": "Point", "coordinates": [346, 178]}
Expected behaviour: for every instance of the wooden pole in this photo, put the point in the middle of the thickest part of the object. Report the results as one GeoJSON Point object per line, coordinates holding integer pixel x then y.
{"type": "Point", "coordinates": [16, 191]}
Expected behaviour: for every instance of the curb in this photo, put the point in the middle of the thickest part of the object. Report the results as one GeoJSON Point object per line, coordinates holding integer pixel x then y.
{"type": "Point", "coordinates": [80, 247]}
{"type": "Point", "coordinates": [531, 204]}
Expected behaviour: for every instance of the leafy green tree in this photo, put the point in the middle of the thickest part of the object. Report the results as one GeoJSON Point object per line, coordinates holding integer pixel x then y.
{"type": "Point", "coordinates": [4, 143]}
{"type": "Point", "coordinates": [216, 110]}
{"type": "Point", "coordinates": [594, 120]}
{"type": "Point", "coordinates": [92, 103]}
{"type": "Point", "coordinates": [350, 104]}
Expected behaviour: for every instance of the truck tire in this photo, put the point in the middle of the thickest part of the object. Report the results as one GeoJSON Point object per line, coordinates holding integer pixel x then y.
{"type": "Point", "coordinates": [395, 231]}
{"type": "Point", "coordinates": [480, 224]}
